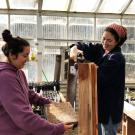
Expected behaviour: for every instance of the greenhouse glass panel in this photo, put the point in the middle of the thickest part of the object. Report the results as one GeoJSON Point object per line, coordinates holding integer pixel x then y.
{"type": "Point", "coordinates": [59, 5]}
{"type": "Point", "coordinates": [23, 4]}
{"type": "Point", "coordinates": [81, 28]}
{"type": "Point", "coordinates": [101, 23]}
{"type": "Point", "coordinates": [31, 67]}
{"type": "Point", "coordinates": [129, 49]}
{"type": "Point", "coordinates": [129, 52]}
{"type": "Point", "coordinates": [3, 23]}
{"type": "Point", "coordinates": [56, 44]}
{"type": "Point", "coordinates": [31, 71]}
{"type": "Point", "coordinates": [130, 71]}
{"type": "Point", "coordinates": [48, 62]}
{"type": "Point", "coordinates": [2, 56]}
{"type": "Point", "coordinates": [112, 6]}
{"type": "Point", "coordinates": [23, 25]}
{"type": "Point", "coordinates": [54, 27]}
{"type": "Point", "coordinates": [3, 4]}
{"type": "Point", "coordinates": [49, 50]}
{"type": "Point", "coordinates": [84, 5]}
{"type": "Point", "coordinates": [131, 8]}
{"type": "Point", "coordinates": [31, 42]}
{"type": "Point", "coordinates": [130, 25]}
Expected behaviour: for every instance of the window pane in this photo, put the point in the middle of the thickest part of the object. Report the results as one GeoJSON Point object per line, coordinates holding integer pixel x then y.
{"type": "Point", "coordinates": [49, 50]}
{"type": "Point", "coordinates": [54, 27]}
{"type": "Point", "coordinates": [23, 26]}
{"type": "Point", "coordinates": [2, 56]}
{"type": "Point", "coordinates": [112, 6]}
{"type": "Point", "coordinates": [48, 62]}
{"type": "Point", "coordinates": [101, 23]}
{"type": "Point", "coordinates": [3, 23]}
{"type": "Point", "coordinates": [3, 4]}
{"type": "Point", "coordinates": [129, 52]}
{"type": "Point", "coordinates": [23, 4]}
{"type": "Point", "coordinates": [131, 8]}
{"type": "Point", "coordinates": [88, 5]}
{"type": "Point", "coordinates": [59, 5]}
{"type": "Point", "coordinates": [81, 28]}
{"type": "Point", "coordinates": [129, 49]}
{"type": "Point", "coordinates": [130, 25]}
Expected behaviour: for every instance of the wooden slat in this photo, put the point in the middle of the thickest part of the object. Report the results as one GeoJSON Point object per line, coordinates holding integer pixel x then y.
{"type": "Point", "coordinates": [71, 83]}
{"type": "Point", "coordinates": [62, 112]}
{"type": "Point", "coordinates": [128, 121]}
{"type": "Point", "coordinates": [94, 99]}
{"type": "Point", "coordinates": [129, 110]}
{"type": "Point", "coordinates": [88, 120]}
{"type": "Point", "coordinates": [57, 68]}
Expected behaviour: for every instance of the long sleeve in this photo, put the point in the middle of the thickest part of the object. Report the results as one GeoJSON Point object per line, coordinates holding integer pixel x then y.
{"type": "Point", "coordinates": [15, 102]}
{"type": "Point", "coordinates": [34, 98]}
{"type": "Point", "coordinates": [92, 52]}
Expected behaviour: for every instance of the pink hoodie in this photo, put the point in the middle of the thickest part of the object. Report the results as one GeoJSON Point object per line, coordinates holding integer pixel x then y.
{"type": "Point", "coordinates": [16, 115]}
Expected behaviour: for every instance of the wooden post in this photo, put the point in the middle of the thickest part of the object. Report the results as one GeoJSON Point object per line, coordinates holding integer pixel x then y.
{"type": "Point", "coordinates": [57, 68]}
{"type": "Point", "coordinates": [88, 119]}
{"type": "Point", "coordinates": [128, 121]}
{"type": "Point", "coordinates": [71, 83]}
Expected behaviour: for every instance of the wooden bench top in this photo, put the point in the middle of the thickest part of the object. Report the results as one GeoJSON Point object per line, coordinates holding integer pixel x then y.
{"type": "Point", "coordinates": [129, 110]}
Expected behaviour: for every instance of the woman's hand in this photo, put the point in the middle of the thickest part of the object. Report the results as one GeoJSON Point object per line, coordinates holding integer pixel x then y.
{"type": "Point", "coordinates": [68, 126]}
{"type": "Point", "coordinates": [73, 53]}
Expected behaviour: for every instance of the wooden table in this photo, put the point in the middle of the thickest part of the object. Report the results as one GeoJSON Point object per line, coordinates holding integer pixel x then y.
{"type": "Point", "coordinates": [128, 122]}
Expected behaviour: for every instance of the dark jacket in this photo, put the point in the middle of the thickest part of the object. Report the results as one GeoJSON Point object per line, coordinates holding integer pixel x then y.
{"type": "Point", "coordinates": [110, 80]}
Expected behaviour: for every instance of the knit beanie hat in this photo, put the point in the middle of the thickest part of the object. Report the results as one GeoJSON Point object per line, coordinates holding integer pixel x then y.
{"type": "Point", "coordinates": [121, 31]}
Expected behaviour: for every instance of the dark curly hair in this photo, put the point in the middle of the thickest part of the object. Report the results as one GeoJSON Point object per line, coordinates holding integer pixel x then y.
{"type": "Point", "coordinates": [120, 40]}
{"type": "Point", "coordinates": [14, 45]}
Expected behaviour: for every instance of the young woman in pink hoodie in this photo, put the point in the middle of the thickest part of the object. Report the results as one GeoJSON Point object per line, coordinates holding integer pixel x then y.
{"type": "Point", "coordinates": [16, 115]}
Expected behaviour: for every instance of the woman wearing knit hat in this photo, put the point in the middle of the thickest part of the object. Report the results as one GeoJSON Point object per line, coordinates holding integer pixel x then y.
{"type": "Point", "coordinates": [110, 75]}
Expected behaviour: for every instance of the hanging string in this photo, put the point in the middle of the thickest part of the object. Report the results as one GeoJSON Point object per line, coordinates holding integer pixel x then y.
{"type": "Point", "coordinates": [44, 75]}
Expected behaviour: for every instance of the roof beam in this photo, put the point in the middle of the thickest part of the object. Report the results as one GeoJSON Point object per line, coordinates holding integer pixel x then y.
{"type": "Point", "coordinates": [98, 6]}
{"type": "Point", "coordinates": [40, 3]}
{"type": "Point", "coordinates": [8, 6]}
{"type": "Point", "coordinates": [18, 11]}
{"type": "Point", "coordinates": [69, 5]}
{"type": "Point", "coordinates": [124, 10]}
